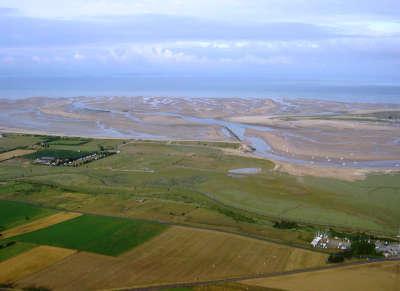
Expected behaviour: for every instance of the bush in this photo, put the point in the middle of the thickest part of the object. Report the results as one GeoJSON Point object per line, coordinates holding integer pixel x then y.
{"type": "Point", "coordinates": [284, 224]}
{"type": "Point", "coordinates": [336, 258]}
{"type": "Point", "coordinates": [363, 247]}
{"type": "Point", "coordinates": [236, 216]}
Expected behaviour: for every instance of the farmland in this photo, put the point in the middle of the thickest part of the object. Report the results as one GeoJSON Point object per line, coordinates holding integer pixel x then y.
{"type": "Point", "coordinates": [9, 141]}
{"type": "Point", "coordinates": [13, 250]}
{"type": "Point", "coordinates": [105, 235]}
{"type": "Point", "coordinates": [179, 254]}
{"type": "Point", "coordinates": [31, 261]}
{"type": "Point", "coordinates": [14, 214]}
{"type": "Point", "coordinates": [14, 153]}
{"type": "Point", "coordinates": [190, 177]}
{"type": "Point", "coordinates": [377, 276]}
{"type": "Point", "coordinates": [39, 224]}
{"type": "Point", "coordinates": [160, 212]}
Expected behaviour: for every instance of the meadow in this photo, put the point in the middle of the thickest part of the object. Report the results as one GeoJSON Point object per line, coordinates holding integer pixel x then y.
{"type": "Point", "coordinates": [189, 183]}
{"type": "Point", "coordinates": [99, 234]}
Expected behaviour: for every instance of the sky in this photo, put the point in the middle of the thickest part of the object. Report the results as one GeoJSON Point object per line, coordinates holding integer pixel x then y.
{"type": "Point", "coordinates": [293, 39]}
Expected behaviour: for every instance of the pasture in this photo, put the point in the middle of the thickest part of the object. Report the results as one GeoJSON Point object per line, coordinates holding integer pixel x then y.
{"type": "Point", "coordinates": [99, 234]}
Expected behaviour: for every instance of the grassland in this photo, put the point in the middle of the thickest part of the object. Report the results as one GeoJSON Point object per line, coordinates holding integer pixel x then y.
{"type": "Point", "coordinates": [189, 183]}
{"type": "Point", "coordinates": [14, 214]}
{"type": "Point", "coordinates": [377, 276]}
{"type": "Point", "coordinates": [105, 235]}
{"type": "Point", "coordinates": [179, 254]}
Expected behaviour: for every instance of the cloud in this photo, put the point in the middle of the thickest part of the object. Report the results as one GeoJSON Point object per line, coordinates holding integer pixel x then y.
{"type": "Point", "coordinates": [235, 36]}
{"type": "Point", "coordinates": [78, 56]}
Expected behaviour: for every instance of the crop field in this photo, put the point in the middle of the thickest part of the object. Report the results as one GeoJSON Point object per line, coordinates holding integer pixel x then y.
{"type": "Point", "coordinates": [14, 214]}
{"type": "Point", "coordinates": [223, 287]}
{"type": "Point", "coordinates": [7, 252]}
{"type": "Point", "coordinates": [377, 276]}
{"type": "Point", "coordinates": [39, 224]}
{"type": "Point", "coordinates": [11, 141]}
{"type": "Point", "coordinates": [82, 144]}
{"type": "Point", "coordinates": [14, 153]}
{"type": "Point", "coordinates": [179, 254]}
{"type": "Point", "coordinates": [31, 261]}
{"type": "Point", "coordinates": [105, 235]}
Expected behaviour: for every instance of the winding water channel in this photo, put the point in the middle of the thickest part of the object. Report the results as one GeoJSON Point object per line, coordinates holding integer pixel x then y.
{"type": "Point", "coordinates": [239, 132]}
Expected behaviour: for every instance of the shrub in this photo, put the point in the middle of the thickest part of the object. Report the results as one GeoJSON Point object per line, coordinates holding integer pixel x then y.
{"type": "Point", "coordinates": [284, 224]}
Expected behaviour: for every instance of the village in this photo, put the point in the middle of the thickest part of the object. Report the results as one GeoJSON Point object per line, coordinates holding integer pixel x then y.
{"type": "Point", "coordinates": [70, 162]}
{"type": "Point", "coordinates": [324, 240]}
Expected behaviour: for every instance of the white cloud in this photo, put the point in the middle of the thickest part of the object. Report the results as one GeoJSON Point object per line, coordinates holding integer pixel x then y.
{"type": "Point", "coordinates": [78, 56]}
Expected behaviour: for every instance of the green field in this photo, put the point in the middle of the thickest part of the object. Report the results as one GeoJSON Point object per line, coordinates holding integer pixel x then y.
{"type": "Point", "coordinates": [14, 213]}
{"type": "Point", "coordinates": [59, 154]}
{"type": "Point", "coordinates": [14, 249]}
{"type": "Point", "coordinates": [99, 234]}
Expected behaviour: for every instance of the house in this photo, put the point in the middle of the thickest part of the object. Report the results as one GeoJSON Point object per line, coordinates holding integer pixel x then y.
{"type": "Point", "coordinates": [45, 161]}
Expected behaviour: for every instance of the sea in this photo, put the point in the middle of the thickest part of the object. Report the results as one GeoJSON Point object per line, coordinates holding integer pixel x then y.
{"type": "Point", "coordinates": [190, 86]}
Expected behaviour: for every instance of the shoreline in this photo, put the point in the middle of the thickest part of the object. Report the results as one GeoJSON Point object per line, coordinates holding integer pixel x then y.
{"type": "Point", "coordinates": [260, 124]}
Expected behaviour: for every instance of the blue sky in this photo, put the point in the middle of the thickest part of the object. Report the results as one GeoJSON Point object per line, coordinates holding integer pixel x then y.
{"type": "Point", "coordinates": [310, 39]}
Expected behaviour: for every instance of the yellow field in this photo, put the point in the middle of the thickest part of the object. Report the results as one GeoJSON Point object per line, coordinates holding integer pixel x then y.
{"type": "Point", "coordinates": [179, 254]}
{"type": "Point", "coordinates": [371, 277]}
{"type": "Point", "coordinates": [232, 287]}
{"type": "Point", "coordinates": [39, 223]}
{"type": "Point", "coordinates": [14, 153]}
{"type": "Point", "coordinates": [30, 262]}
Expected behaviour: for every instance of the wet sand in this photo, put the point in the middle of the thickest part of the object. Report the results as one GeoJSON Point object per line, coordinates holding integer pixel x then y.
{"type": "Point", "coordinates": [308, 134]}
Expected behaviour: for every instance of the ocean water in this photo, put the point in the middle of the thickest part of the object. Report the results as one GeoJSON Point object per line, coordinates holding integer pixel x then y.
{"type": "Point", "coordinates": [23, 87]}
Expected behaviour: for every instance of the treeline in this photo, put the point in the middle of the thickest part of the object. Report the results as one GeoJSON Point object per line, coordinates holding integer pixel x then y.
{"type": "Point", "coordinates": [361, 246]}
